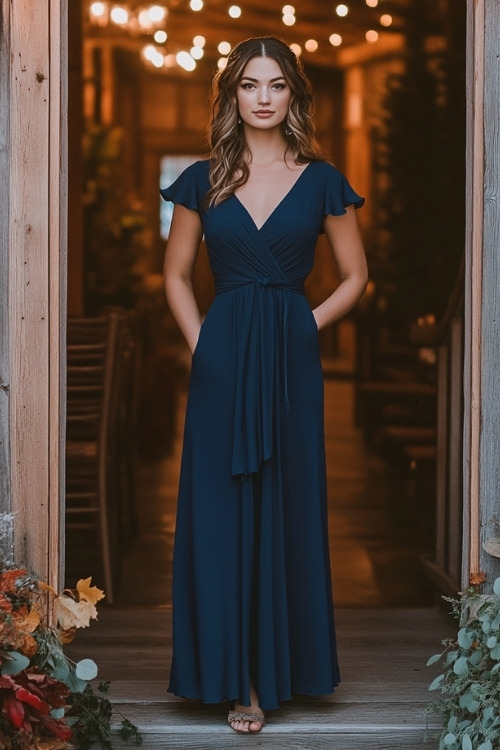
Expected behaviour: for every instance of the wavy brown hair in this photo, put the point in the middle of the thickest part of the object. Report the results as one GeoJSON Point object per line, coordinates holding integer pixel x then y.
{"type": "Point", "coordinates": [228, 150]}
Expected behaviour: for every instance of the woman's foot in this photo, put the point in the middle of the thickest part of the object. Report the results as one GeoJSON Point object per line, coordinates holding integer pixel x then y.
{"type": "Point", "coordinates": [247, 719]}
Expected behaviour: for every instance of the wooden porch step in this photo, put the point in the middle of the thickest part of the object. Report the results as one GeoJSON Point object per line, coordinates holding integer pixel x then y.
{"type": "Point", "coordinates": [380, 703]}
{"type": "Point", "coordinates": [340, 726]}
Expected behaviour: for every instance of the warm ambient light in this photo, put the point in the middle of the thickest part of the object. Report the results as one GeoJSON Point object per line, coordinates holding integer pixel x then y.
{"type": "Point", "coordinates": [98, 9]}
{"type": "Point", "coordinates": [335, 40]}
{"type": "Point", "coordinates": [185, 60]}
{"type": "Point", "coordinates": [288, 10]}
{"type": "Point", "coordinates": [160, 36]}
{"type": "Point", "coordinates": [386, 20]}
{"type": "Point", "coordinates": [157, 13]}
{"type": "Point", "coordinates": [119, 15]}
{"type": "Point", "coordinates": [311, 45]}
{"type": "Point", "coordinates": [196, 53]}
{"type": "Point", "coordinates": [296, 49]}
{"type": "Point", "coordinates": [199, 40]}
{"type": "Point", "coordinates": [342, 10]}
{"type": "Point", "coordinates": [221, 62]}
{"type": "Point", "coordinates": [224, 48]}
{"type": "Point", "coordinates": [196, 4]}
{"type": "Point", "coordinates": [289, 19]}
{"type": "Point", "coordinates": [234, 11]}
{"type": "Point", "coordinates": [371, 36]}
{"type": "Point", "coordinates": [372, 3]}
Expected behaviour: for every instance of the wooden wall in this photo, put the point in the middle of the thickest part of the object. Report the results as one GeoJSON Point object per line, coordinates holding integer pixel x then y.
{"type": "Point", "coordinates": [32, 257]}
{"type": "Point", "coordinates": [482, 290]}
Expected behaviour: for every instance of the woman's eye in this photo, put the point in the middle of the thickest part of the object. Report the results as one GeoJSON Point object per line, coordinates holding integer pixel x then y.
{"type": "Point", "coordinates": [247, 86]}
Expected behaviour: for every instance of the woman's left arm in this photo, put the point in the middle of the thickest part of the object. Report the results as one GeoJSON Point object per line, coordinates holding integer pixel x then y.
{"type": "Point", "coordinates": [345, 240]}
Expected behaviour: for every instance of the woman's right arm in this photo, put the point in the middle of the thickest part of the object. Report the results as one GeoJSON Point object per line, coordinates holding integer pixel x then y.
{"type": "Point", "coordinates": [182, 247]}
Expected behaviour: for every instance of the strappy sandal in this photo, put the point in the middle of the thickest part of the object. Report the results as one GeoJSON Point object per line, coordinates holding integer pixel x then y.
{"type": "Point", "coordinates": [257, 718]}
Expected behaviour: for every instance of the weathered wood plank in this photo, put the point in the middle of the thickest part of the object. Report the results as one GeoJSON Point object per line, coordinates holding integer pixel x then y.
{"type": "Point", "coordinates": [32, 245]}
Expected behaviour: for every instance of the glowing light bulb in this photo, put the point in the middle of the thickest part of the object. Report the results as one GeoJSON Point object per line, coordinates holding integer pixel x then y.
{"type": "Point", "coordinates": [234, 11]}
{"type": "Point", "coordinates": [288, 10]}
{"type": "Point", "coordinates": [221, 62]}
{"type": "Point", "coordinates": [335, 40]}
{"type": "Point", "coordinates": [372, 3]}
{"type": "Point", "coordinates": [371, 36]}
{"type": "Point", "coordinates": [97, 10]}
{"type": "Point", "coordinates": [149, 52]}
{"type": "Point", "coordinates": [160, 36]}
{"type": "Point", "coordinates": [311, 45]}
{"type": "Point", "coordinates": [289, 19]}
{"type": "Point", "coordinates": [157, 13]}
{"type": "Point", "coordinates": [199, 41]}
{"type": "Point", "coordinates": [196, 53]}
{"type": "Point", "coordinates": [296, 49]}
{"type": "Point", "coordinates": [196, 4]}
{"type": "Point", "coordinates": [386, 20]}
{"type": "Point", "coordinates": [224, 48]}
{"type": "Point", "coordinates": [342, 10]}
{"type": "Point", "coordinates": [119, 15]}
{"type": "Point", "coordinates": [185, 60]}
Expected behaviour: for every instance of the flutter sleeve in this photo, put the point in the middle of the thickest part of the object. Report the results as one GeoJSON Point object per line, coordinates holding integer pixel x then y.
{"type": "Point", "coordinates": [339, 194]}
{"type": "Point", "coordinates": [190, 187]}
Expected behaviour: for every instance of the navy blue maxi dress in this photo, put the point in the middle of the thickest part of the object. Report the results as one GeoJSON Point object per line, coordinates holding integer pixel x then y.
{"type": "Point", "coordinates": [252, 599]}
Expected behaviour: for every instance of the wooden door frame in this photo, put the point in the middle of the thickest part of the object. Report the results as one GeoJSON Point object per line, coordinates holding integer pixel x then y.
{"type": "Point", "coordinates": [33, 153]}
{"type": "Point", "coordinates": [33, 161]}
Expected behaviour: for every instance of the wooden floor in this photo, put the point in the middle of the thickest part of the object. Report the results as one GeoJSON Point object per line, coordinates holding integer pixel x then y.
{"type": "Point", "coordinates": [387, 621]}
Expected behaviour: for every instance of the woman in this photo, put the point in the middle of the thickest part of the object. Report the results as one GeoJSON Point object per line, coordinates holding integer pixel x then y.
{"type": "Point", "coordinates": [253, 613]}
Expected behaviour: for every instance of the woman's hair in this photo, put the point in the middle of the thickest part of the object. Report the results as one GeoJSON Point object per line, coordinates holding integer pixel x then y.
{"type": "Point", "coordinates": [229, 151]}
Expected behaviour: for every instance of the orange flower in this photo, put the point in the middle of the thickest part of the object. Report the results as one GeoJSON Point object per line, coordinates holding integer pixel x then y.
{"type": "Point", "coordinates": [477, 579]}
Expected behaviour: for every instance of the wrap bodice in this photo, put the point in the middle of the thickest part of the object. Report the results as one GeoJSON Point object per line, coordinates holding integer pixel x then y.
{"type": "Point", "coordinates": [264, 269]}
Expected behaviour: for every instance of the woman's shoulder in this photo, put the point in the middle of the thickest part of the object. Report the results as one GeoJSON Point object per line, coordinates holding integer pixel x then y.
{"type": "Point", "coordinates": [326, 168]}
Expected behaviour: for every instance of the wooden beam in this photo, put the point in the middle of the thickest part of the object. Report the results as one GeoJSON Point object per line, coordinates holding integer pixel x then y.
{"type": "Point", "coordinates": [36, 245]}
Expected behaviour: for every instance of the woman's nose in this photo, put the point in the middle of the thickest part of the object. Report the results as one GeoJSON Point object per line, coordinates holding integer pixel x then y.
{"type": "Point", "coordinates": [264, 96]}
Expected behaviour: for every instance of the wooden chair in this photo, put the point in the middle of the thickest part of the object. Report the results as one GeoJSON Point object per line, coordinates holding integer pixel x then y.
{"type": "Point", "coordinates": [93, 378]}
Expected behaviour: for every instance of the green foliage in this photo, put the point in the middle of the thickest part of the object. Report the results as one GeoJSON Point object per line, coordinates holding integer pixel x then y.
{"type": "Point", "coordinates": [470, 682]}
{"type": "Point", "coordinates": [90, 716]}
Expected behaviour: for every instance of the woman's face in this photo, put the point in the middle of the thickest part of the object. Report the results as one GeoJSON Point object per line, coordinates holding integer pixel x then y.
{"type": "Point", "coordinates": [263, 95]}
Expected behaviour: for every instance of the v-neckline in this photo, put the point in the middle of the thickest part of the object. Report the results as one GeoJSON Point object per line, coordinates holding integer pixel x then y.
{"type": "Point", "coordinates": [280, 202]}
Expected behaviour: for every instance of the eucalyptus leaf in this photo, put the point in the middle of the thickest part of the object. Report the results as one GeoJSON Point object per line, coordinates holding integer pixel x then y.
{"type": "Point", "coordinates": [467, 743]}
{"type": "Point", "coordinates": [452, 724]}
{"type": "Point", "coordinates": [461, 666]}
{"type": "Point", "coordinates": [74, 683]}
{"type": "Point", "coordinates": [86, 669]}
{"type": "Point", "coordinates": [436, 682]}
{"type": "Point", "coordinates": [13, 662]}
{"type": "Point", "coordinates": [492, 547]}
{"type": "Point", "coordinates": [434, 659]}
{"type": "Point", "coordinates": [496, 587]}
{"type": "Point", "coordinates": [495, 652]}
{"type": "Point", "coordinates": [475, 658]}
{"type": "Point", "coordinates": [485, 745]}
{"type": "Point", "coordinates": [57, 713]}
{"type": "Point", "coordinates": [465, 638]}
{"type": "Point", "coordinates": [488, 714]}
{"type": "Point", "coordinates": [449, 739]}
{"type": "Point", "coordinates": [451, 656]}
{"type": "Point", "coordinates": [492, 641]}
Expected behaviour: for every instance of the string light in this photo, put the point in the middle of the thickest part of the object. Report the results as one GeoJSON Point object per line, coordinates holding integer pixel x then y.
{"type": "Point", "coordinates": [185, 60]}
{"type": "Point", "coordinates": [335, 40]}
{"type": "Point", "coordinates": [311, 45]}
{"type": "Point", "coordinates": [221, 62]}
{"type": "Point", "coordinates": [371, 36]}
{"type": "Point", "coordinates": [372, 3]}
{"type": "Point", "coordinates": [342, 10]}
{"type": "Point", "coordinates": [288, 19]}
{"type": "Point", "coordinates": [296, 49]}
{"type": "Point", "coordinates": [288, 10]}
{"type": "Point", "coordinates": [196, 4]}
{"type": "Point", "coordinates": [119, 15]}
{"type": "Point", "coordinates": [199, 40]}
{"type": "Point", "coordinates": [224, 48]}
{"type": "Point", "coordinates": [386, 20]}
{"type": "Point", "coordinates": [234, 11]}
{"type": "Point", "coordinates": [196, 53]}
{"type": "Point", "coordinates": [160, 36]}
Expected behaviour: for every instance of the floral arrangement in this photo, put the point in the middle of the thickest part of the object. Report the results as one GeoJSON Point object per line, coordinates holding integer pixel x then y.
{"type": "Point", "coordinates": [470, 682]}
{"type": "Point", "coordinates": [46, 700]}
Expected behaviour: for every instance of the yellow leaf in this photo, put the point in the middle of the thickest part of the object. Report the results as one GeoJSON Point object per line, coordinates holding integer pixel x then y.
{"type": "Point", "coordinates": [30, 622]}
{"type": "Point", "coordinates": [90, 593]}
{"type": "Point", "coordinates": [45, 587]}
{"type": "Point", "coordinates": [71, 614]}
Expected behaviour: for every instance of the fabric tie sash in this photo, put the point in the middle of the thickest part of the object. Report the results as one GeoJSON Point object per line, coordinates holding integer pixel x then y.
{"type": "Point", "coordinates": [262, 310]}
